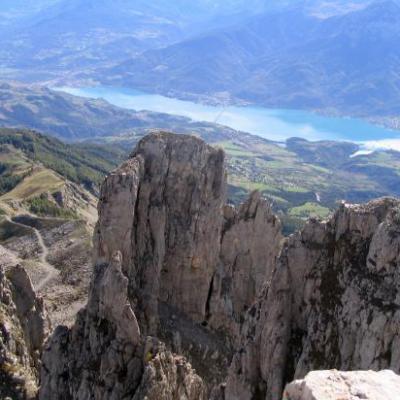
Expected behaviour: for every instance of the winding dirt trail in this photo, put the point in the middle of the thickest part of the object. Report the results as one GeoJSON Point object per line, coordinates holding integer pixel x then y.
{"type": "Point", "coordinates": [51, 272]}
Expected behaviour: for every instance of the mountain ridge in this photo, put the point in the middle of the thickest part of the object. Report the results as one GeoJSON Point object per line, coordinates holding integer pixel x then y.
{"type": "Point", "coordinates": [183, 283]}
{"type": "Point", "coordinates": [301, 68]}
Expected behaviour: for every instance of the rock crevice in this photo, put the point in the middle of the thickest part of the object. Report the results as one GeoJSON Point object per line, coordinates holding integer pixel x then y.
{"type": "Point", "coordinates": [332, 303]}
{"type": "Point", "coordinates": [161, 243]}
{"type": "Point", "coordinates": [24, 327]}
{"type": "Point", "coordinates": [185, 286]}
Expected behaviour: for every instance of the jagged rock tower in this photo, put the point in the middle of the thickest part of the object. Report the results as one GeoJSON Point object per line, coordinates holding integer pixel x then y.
{"type": "Point", "coordinates": [172, 262]}
{"type": "Point", "coordinates": [333, 302]}
{"type": "Point", "coordinates": [23, 329]}
{"type": "Point", "coordinates": [192, 299]}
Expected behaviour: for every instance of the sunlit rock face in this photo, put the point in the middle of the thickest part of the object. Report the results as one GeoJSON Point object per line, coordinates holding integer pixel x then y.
{"type": "Point", "coordinates": [333, 302]}
{"type": "Point", "coordinates": [23, 329]}
{"type": "Point", "coordinates": [250, 244]}
{"type": "Point", "coordinates": [172, 262]}
{"type": "Point", "coordinates": [194, 299]}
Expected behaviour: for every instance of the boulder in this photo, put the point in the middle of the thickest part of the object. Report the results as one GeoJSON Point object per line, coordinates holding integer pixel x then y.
{"type": "Point", "coordinates": [355, 385]}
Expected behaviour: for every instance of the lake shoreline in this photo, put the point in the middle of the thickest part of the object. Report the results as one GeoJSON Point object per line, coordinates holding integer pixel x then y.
{"type": "Point", "coordinates": [272, 124]}
{"type": "Point", "coordinates": [227, 100]}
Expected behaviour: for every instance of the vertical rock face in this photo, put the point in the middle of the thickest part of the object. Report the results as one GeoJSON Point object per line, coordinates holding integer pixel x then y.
{"type": "Point", "coordinates": [179, 220]}
{"type": "Point", "coordinates": [172, 262]}
{"type": "Point", "coordinates": [116, 208]}
{"type": "Point", "coordinates": [163, 207]}
{"type": "Point", "coordinates": [23, 329]}
{"type": "Point", "coordinates": [250, 245]}
{"type": "Point", "coordinates": [333, 302]}
{"type": "Point", "coordinates": [30, 312]}
{"type": "Point", "coordinates": [104, 355]}
{"type": "Point", "coordinates": [161, 271]}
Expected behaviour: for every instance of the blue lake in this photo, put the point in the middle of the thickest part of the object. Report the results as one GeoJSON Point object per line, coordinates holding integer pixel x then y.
{"type": "Point", "coordinates": [273, 124]}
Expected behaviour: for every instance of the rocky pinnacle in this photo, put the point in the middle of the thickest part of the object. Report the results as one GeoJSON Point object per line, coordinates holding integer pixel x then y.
{"type": "Point", "coordinates": [193, 299]}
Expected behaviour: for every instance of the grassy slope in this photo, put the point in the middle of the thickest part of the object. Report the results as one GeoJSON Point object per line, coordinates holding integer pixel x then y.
{"type": "Point", "coordinates": [35, 170]}
{"type": "Point", "coordinates": [309, 210]}
{"type": "Point", "coordinates": [302, 188]}
{"type": "Point", "coordinates": [41, 180]}
{"type": "Point", "coordinates": [82, 164]}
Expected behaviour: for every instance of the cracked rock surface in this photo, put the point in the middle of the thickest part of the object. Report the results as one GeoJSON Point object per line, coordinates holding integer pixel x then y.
{"type": "Point", "coordinates": [164, 243]}
{"type": "Point", "coordinates": [193, 299]}
{"type": "Point", "coordinates": [23, 330]}
{"type": "Point", "coordinates": [333, 302]}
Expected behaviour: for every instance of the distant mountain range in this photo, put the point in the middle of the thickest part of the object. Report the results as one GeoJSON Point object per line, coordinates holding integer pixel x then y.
{"type": "Point", "coordinates": [332, 56]}
{"type": "Point", "coordinates": [13, 11]}
{"type": "Point", "coordinates": [346, 63]}
{"type": "Point", "coordinates": [55, 38]}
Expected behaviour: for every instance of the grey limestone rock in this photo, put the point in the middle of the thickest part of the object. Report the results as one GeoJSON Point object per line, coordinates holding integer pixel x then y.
{"type": "Point", "coordinates": [24, 327]}
{"type": "Point", "coordinates": [333, 302]}
{"type": "Point", "coordinates": [163, 242]}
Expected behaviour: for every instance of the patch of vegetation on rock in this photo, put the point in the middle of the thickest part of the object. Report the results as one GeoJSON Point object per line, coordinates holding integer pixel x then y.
{"type": "Point", "coordinates": [81, 164]}
{"type": "Point", "coordinates": [8, 180]}
{"type": "Point", "coordinates": [43, 207]}
{"type": "Point", "coordinates": [310, 210]}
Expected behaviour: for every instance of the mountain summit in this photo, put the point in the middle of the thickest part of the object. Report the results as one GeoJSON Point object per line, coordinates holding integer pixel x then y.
{"type": "Point", "coordinates": [217, 286]}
